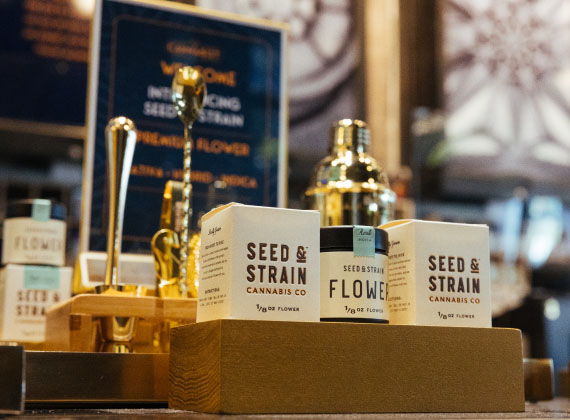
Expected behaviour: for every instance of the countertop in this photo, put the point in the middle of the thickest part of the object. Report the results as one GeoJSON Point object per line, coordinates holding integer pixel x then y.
{"type": "Point", "coordinates": [554, 409]}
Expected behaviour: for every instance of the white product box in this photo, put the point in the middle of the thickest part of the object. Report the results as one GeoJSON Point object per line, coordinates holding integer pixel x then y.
{"type": "Point", "coordinates": [259, 263]}
{"type": "Point", "coordinates": [438, 274]}
{"type": "Point", "coordinates": [26, 293]}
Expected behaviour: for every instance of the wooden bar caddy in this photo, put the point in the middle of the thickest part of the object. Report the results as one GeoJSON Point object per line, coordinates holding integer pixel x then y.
{"type": "Point", "coordinates": [73, 325]}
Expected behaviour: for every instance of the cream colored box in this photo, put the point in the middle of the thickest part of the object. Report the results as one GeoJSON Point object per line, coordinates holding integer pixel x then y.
{"type": "Point", "coordinates": [26, 293]}
{"type": "Point", "coordinates": [259, 263]}
{"type": "Point", "coordinates": [438, 274]}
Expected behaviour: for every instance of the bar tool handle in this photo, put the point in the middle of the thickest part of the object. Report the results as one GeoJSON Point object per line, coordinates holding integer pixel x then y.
{"type": "Point", "coordinates": [188, 94]}
{"type": "Point", "coordinates": [121, 137]}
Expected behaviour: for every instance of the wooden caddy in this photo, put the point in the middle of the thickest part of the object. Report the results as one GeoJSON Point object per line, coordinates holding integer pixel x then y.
{"type": "Point", "coordinates": [73, 325]}
{"type": "Point", "coordinates": [267, 367]}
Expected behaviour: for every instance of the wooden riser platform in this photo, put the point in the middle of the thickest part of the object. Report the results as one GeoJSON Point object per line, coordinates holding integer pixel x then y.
{"type": "Point", "coordinates": [264, 367]}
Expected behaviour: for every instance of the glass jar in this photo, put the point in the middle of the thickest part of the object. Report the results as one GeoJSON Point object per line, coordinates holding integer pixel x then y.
{"type": "Point", "coordinates": [34, 233]}
{"type": "Point", "coordinates": [354, 274]}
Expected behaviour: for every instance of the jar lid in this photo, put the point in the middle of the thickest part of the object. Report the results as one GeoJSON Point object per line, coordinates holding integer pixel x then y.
{"type": "Point", "coordinates": [336, 237]}
{"type": "Point", "coordinates": [29, 207]}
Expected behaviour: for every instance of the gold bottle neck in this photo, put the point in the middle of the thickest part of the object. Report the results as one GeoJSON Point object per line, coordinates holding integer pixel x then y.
{"type": "Point", "coordinates": [349, 135]}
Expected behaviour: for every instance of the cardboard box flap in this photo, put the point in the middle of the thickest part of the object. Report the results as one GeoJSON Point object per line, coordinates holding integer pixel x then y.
{"type": "Point", "coordinates": [217, 210]}
{"type": "Point", "coordinates": [400, 222]}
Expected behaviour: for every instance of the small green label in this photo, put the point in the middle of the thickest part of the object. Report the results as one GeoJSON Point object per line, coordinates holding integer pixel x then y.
{"type": "Point", "coordinates": [334, 173]}
{"type": "Point", "coordinates": [41, 210]}
{"type": "Point", "coordinates": [363, 241]}
{"type": "Point", "coordinates": [41, 278]}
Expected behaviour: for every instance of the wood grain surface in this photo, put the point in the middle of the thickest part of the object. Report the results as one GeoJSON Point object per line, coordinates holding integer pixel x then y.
{"type": "Point", "coordinates": [255, 367]}
{"type": "Point", "coordinates": [73, 325]}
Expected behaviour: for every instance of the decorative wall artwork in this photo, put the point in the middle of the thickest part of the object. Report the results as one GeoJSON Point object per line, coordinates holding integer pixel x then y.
{"type": "Point", "coordinates": [506, 80]}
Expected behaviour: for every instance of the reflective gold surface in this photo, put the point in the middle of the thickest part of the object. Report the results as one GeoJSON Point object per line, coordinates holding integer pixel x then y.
{"type": "Point", "coordinates": [166, 253]}
{"type": "Point", "coordinates": [188, 93]}
{"type": "Point", "coordinates": [166, 248]}
{"type": "Point", "coordinates": [121, 137]}
{"type": "Point", "coordinates": [117, 332]}
{"type": "Point", "coordinates": [120, 140]}
{"type": "Point", "coordinates": [193, 265]}
{"type": "Point", "coordinates": [171, 213]}
{"type": "Point", "coordinates": [348, 187]}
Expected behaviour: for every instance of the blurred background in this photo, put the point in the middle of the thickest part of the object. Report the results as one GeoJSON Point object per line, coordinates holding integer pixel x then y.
{"type": "Point", "coordinates": [468, 102]}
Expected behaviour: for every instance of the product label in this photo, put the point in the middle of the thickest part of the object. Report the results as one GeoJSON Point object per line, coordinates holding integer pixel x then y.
{"type": "Point", "coordinates": [41, 210]}
{"type": "Point", "coordinates": [401, 281]}
{"type": "Point", "coordinates": [214, 266]}
{"type": "Point", "coordinates": [354, 287]}
{"type": "Point", "coordinates": [41, 278]}
{"type": "Point", "coordinates": [363, 241]}
{"type": "Point", "coordinates": [28, 241]}
{"type": "Point", "coordinates": [25, 298]}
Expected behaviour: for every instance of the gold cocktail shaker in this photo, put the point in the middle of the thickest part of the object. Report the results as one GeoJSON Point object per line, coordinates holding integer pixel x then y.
{"type": "Point", "coordinates": [348, 187]}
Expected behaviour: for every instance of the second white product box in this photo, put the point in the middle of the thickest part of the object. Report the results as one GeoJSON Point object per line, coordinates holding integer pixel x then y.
{"type": "Point", "coordinates": [259, 263]}
{"type": "Point", "coordinates": [438, 274]}
{"type": "Point", "coordinates": [26, 293]}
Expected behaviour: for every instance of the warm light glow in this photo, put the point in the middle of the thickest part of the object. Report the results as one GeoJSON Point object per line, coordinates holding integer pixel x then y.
{"type": "Point", "coordinates": [84, 8]}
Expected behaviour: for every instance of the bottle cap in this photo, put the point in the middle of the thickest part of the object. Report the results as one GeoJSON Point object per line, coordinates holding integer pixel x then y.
{"type": "Point", "coordinates": [352, 134]}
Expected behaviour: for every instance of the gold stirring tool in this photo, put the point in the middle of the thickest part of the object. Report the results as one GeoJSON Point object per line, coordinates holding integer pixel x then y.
{"type": "Point", "coordinates": [188, 93]}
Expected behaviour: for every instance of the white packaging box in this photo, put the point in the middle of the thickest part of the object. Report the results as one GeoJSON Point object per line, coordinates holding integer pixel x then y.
{"type": "Point", "coordinates": [26, 293]}
{"type": "Point", "coordinates": [438, 274]}
{"type": "Point", "coordinates": [259, 263]}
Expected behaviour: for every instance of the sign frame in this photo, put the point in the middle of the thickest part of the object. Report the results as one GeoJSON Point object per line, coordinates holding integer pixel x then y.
{"type": "Point", "coordinates": [93, 90]}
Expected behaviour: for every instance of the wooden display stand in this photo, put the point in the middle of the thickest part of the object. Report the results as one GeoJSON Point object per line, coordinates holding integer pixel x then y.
{"type": "Point", "coordinates": [264, 367]}
{"type": "Point", "coordinates": [73, 324]}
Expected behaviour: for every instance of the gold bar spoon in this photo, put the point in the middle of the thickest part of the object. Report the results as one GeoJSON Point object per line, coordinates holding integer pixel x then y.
{"type": "Point", "coordinates": [188, 93]}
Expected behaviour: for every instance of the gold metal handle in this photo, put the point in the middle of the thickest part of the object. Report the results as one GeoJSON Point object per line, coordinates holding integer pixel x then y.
{"type": "Point", "coordinates": [121, 137]}
{"type": "Point", "coordinates": [188, 93]}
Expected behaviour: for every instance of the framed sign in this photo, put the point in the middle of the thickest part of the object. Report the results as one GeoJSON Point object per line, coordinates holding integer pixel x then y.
{"type": "Point", "coordinates": [43, 66]}
{"type": "Point", "coordinates": [239, 140]}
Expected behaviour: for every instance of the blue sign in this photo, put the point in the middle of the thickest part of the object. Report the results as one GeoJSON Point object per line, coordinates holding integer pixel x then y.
{"type": "Point", "coordinates": [43, 62]}
{"type": "Point", "coordinates": [238, 149]}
